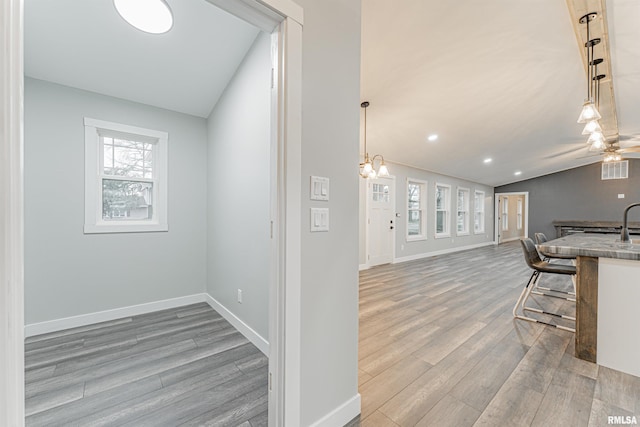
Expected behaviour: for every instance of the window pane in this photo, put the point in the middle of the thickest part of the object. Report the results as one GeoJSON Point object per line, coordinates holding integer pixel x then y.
{"type": "Point", "coordinates": [130, 200]}
{"type": "Point", "coordinates": [439, 198]}
{"type": "Point", "coordinates": [414, 223]}
{"type": "Point", "coordinates": [127, 158]}
{"type": "Point", "coordinates": [440, 222]}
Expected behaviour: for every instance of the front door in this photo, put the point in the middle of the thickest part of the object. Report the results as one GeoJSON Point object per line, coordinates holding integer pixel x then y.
{"type": "Point", "coordinates": [380, 220]}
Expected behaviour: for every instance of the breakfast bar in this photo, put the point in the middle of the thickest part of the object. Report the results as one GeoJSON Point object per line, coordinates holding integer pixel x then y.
{"type": "Point", "coordinates": [607, 298]}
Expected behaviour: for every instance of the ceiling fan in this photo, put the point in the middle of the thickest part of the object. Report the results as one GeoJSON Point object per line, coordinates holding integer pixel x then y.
{"type": "Point", "coordinates": [613, 152]}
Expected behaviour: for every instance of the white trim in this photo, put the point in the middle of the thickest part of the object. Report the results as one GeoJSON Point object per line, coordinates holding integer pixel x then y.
{"type": "Point", "coordinates": [496, 221]}
{"type": "Point", "coordinates": [441, 252]}
{"type": "Point", "coordinates": [484, 211]}
{"type": "Point", "coordinates": [93, 176]}
{"type": "Point", "coordinates": [264, 14]}
{"type": "Point", "coordinates": [11, 215]}
{"type": "Point", "coordinates": [468, 211]}
{"type": "Point", "coordinates": [342, 414]}
{"type": "Point", "coordinates": [107, 315]}
{"type": "Point", "coordinates": [246, 330]}
{"type": "Point", "coordinates": [446, 233]}
{"type": "Point", "coordinates": [363, 267]}
{"type": "Point", "coordinates": [423, 208]}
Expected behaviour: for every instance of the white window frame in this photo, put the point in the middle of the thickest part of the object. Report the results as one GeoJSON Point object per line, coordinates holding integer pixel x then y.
{"type": "Point", "coordinates": [465, 210]}
{"type": "Point", "coordinates": [447, 204]}
{"type": "Point", "coordinates": [504, 214]}
{"type": "Point", "coordinates": [519, 213]}
{"type": "Point", "coordinates": [478, 209]}
{"type": "Point", "coordinates": [423, 210]}
{"type": "Point", "coordinates": [93, 222]}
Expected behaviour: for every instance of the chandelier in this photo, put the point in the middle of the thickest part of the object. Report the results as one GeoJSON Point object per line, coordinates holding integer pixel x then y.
{"type": "Point", "coordinates": [367, 167]}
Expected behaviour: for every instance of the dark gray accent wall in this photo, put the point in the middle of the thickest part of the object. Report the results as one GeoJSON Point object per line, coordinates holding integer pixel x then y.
{"type": "Point", "coordinates": [578, 194]}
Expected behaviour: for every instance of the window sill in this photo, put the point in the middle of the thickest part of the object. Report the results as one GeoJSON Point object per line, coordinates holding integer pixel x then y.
{"type": "Point", "coordinates": [124, 228]}
{"type": "Point", "coordinates": [479, 232]}
{"type": "Point", "coordinates": [416, 238]}
{"type": "Point", "coordinates": [442, 236]}
{"type": "Point", "coordinates": [466, 233]}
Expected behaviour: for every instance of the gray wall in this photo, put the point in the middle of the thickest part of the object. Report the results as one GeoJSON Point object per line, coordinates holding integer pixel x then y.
{"type": "Point", "coordinates": [404, 248]}
{"type": "Point", "coordinates": [578, 194]}
{"type": "Point", "coordinates": [331, 111]}
{"type": "Point", "coordinates": [68, 273]}
{"type": "Point", "coordinates": [238, 198]}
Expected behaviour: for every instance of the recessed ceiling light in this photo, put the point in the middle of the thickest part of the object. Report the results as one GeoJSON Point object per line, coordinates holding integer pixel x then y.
{"type": "Point", "coordinates": [150, 16]}
{"type": "Point", "coordinates": [432, 137]}
{"type": "Point", "coordinates": [517, 173]}
{"type": "Point", "coordinates": [488, 160]}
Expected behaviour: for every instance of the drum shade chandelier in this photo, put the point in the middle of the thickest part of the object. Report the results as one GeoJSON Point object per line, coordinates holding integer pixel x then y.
{"type": "Point", "coordinates": [367, 168]}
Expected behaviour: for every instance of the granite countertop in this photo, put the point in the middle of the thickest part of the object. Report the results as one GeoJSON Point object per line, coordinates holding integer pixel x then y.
{"type": "Point", "coordinates": [593, 245]}
{"type": "Point", "coordinates": [583, 223]}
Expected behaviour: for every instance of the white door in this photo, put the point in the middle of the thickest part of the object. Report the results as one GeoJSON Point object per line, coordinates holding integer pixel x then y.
{"type": "Point", "coordinates": [380, 220]}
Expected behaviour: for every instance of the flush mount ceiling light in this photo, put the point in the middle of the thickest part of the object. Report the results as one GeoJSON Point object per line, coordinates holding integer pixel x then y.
{"type": "Point", "coordinates": [150, 16]}
{"type": "Point", "coordinates": [367, 168]}
{"type": "Point", "coordinates": [517, 173]}
{"type": "Point", "coordinates": [488, 160]}
{"type": "Point", "coordinates": [432, 137]}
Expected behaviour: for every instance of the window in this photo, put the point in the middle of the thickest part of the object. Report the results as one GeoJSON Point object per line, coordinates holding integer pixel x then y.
{"type": "Point", "coordinates": [443, 214]}
{"type": "Point", "coordinates": [125, 178]}
{"type": "Point", "coordinates": [519, 214]}
{"type": "Point", "coordinates": [504, 217]}
{"type": "Point", "coordinates": [463, 212]}
{"type": "Point", "coordinates": [416, 212]}
{"type": "Point", "coordinates": [478, 209]}
{"type": "Point", "coordinates": [380, 193]}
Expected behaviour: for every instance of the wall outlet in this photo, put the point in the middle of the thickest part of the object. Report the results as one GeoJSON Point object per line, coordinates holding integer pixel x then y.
{"type": "Point", "coordinates": [620, 196]}
{"type": "Point", "coordinates": [240, 296]}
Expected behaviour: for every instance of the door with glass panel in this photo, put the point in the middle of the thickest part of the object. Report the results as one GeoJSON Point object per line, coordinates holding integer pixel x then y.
{"type": "Point", "coordinates": [380, 220]}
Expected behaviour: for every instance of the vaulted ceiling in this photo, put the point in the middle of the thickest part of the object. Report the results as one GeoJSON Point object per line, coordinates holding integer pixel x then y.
{"type": "Point", "coordinates": [501, 79]}
{"type": "Point", "coordinates": [87, 45]}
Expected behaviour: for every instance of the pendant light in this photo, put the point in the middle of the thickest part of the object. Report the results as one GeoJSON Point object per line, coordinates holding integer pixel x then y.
{"type": "Point", "coordinates": [589, 111]}
{"type": "Point", "coordinates": [367, 169]}
{"type": "Point", "coordinates": [150, 16]}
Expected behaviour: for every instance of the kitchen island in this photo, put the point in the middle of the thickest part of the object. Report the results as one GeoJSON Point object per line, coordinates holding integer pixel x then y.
{"type": "Point", "coordinates": [607, 298]}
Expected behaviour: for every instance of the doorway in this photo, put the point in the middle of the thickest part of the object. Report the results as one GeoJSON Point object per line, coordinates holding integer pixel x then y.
{"type": "Point", "coordinates": [284, 20]}
{"type": "Point", "coordinates": [511, 217]}
{"type": "Point", "coordinates": [380, 224]}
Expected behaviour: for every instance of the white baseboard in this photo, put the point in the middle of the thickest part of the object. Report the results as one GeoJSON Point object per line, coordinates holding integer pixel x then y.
{"type": "Point", "coordinates": [511, 239]}
{"type": "Point", "coordinates": [441, 252]}
{"type": "Point", "coordinates": [243, 328]}
{"type": "Point", "coordinates": [341, 415]}
{"type": "Point", "coordinates": [363, 267]}
{"type": "Point", "coordinates": [107, 315]}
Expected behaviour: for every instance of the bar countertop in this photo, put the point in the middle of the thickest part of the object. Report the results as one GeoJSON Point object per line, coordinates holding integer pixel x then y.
{"type": "Point", "coordinates": [594, 245]}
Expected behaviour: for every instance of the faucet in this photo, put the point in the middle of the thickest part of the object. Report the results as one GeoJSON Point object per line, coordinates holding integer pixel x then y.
{"type": "Point", "coordinates": [624, 235]}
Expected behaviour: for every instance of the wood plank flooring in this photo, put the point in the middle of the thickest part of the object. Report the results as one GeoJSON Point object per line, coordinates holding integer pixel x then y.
{"type": "Point", "coordinates": [184, 366]}
{"type": "Point", "coordinates": [439, 347]}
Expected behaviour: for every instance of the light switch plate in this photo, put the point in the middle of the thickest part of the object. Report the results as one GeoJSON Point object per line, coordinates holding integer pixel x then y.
{"type": "Point", "coordinates": [319, 219]}
{"type": "Point", "coordinates": [319, 188]}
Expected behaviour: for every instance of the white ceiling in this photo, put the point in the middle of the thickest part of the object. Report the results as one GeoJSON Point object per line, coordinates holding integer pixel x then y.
{"type": "Point", "coordinates": [502, 79]}
{"type": "Point", "coordinates": [85, 44]}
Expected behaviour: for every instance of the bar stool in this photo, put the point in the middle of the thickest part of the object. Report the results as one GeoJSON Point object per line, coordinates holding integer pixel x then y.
{"type": "Point", "coordinates": [539, 266]}
{"type": "Point", "coordinates": [542, 238]}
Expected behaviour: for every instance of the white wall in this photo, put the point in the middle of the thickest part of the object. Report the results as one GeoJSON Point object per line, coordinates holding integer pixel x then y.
{"type": "Point", "coordinates": [238, 237]}
{"type": "Point", "coordinates": [68, 273]}
{"type": "Point", "coordinates": [330, 131]}
{"type": "Point", "coordinates": [404, 248]}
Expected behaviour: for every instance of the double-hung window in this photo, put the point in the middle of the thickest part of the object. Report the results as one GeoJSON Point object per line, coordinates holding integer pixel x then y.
{"type": "Point", "coordinates": [462, 222]}
{"type": "Point", "coordinates": [443, 210]}
{"type": "Point", "coordinates": [125, 178]}
{"type": "Point", "coordinates": [519, 213]}
{"type": "Point", "coordinates": [478, 212]}
{"type": "Point", "coordinates": [416, 209]}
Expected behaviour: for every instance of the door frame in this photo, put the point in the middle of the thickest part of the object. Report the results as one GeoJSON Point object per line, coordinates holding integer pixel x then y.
{"type": "Point", "coordinates": [367, 205]}
{"type": "Point", "coordinates": [284, 20]}
{"type": "Point", "coordinates": [497, 213]}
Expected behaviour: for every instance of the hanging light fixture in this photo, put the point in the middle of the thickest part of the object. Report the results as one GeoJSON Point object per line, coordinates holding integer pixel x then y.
{"type": "Point", "coordinates": [367, 168]}
{"type": "Point", "coordinates": [589, 111]}
{"type": "Point", "coordinates": [150, 16]}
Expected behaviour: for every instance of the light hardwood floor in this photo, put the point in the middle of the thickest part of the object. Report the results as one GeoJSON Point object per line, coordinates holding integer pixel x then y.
{"type": "Point", "coordinates": [184, 366]}
{"type": "Point", "coordinates": [439, 347]}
